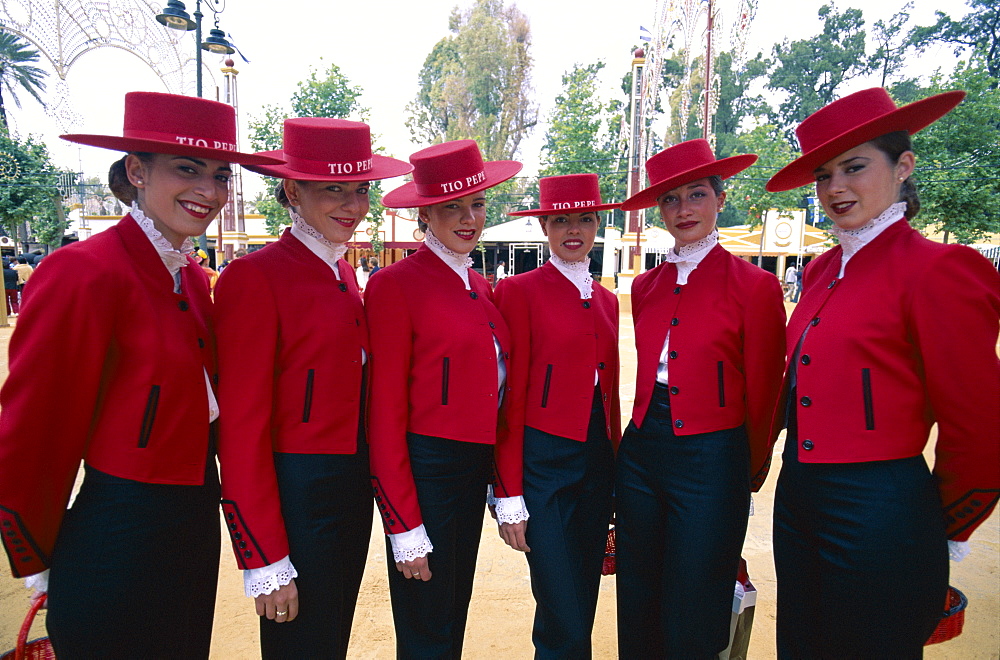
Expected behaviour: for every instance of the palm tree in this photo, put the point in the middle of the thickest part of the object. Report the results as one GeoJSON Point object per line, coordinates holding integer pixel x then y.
{"type": "Point", "coordinates": [17, 70]}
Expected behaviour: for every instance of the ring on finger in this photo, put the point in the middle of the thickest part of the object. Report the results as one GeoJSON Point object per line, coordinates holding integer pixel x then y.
{"type": "Point", "coordinates": [280, 613]}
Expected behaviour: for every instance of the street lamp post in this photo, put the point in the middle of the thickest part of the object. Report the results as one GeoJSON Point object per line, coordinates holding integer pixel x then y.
{"type": "Point", "coordinates": [175, 16]}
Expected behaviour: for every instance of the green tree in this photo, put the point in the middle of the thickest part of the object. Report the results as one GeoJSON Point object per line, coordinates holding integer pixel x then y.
{"type": "Point", "coordinates": [811, 72]}
{"type": "Point", "coordinates": [890, 55]}
{"type": "Point", "coordinates": [979, 31]}
{"type": "Point", "coordinates": [327, 94]}
{"type": "Point", "coordinates": [583, 134]}
{"type": "Point", "coordinates": [476, 82]}
{"type": "Point", "coordinates": [17, 70]}
{"type": "Point", "coordinates": [746, 190]}
{"type": "Point", "coordinates": [29, 192]}
{"type": "Point", "coordinates": [958, 158]}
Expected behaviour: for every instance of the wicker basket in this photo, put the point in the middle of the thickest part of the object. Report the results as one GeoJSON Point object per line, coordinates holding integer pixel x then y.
{"type": "Point", "coordinates": [609, 566]}
{"type": "Point", "coordinates": [36, 649]}
{"type": "Point", "coordinates": [951, 623]}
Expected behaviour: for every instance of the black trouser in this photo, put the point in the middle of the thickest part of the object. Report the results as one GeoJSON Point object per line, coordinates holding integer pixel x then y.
{"type": "Point", "coordinates": [135, 568]}
{"type": "Point", "coordinates": [567, 491]}
{"type": "Point", "coordinates": [681, 505]}
{"type": "Point", "coordinates": [860, 555]}
{"type": "Point", "coordinates": [326, 502]}
{"type": "Point", "coordinates": [451, 478]}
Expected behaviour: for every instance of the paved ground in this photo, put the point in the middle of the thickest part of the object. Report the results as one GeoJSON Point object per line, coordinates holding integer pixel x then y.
{"type": "Point", "coordinates": [502, 607]}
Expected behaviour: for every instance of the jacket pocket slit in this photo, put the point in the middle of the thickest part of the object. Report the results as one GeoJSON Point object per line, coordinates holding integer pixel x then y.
{"type": "Point", "coordinates": [149, 416]}
{"type": "Point", "coordinates": [545, 390]}
{"type": "Point", "coordinates": [307, 406]}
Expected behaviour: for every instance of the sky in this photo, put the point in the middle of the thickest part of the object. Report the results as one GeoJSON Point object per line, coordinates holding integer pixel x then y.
{"type": "Point", "coordinates": [381, 45]}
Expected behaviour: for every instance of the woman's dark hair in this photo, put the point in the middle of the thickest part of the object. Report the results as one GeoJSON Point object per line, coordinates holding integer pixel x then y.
{"type": "Point", "coordinates": [280, 195]}
{"type": "Point", "coordinates": [893, 145]}
{"type": "Point", "coordinates": [118, 181]}
{"type": "Point", "coordinates": [716, 182]}
{"type": "Point", "coordinates": [420, 223]}
{"type": "Point", "coordinates": [363, 262]}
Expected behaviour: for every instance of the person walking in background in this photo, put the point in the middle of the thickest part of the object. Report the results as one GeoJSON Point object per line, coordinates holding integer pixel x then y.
{"type": "Point", "coordinates": [501, 270]}
{"type": "Point", "coordinates": [130, 391]}
{"type": "Point", "coordinates": [201, 258]}
{"type": "Point", "coordinates": [10, 288]}
{"type": "Point", "coordinates": [709, 336]}
{"type": "Point", "coordinates": [440, 350]}
{"type": "Point", "coordinates": [373, 266]}
{"type": "Point", "coordinates": [295, 476]}
{"type": "Point", "coordinates": [361, 273]}
{"type": "Point", "coordinates": [789, 281]}
{"type": "Point", "coordinates": [563, 409]}
{"type": "Point", "coordinates": [893, 334]}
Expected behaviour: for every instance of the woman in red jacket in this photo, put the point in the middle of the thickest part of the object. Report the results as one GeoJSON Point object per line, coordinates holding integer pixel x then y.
{"type": "Point", "coordinates": [709, 334]}
{"type": "Point", "coordinates": [439, 352]}
{"type": "Point", "coordinates": [563, 409]}
{"type": "Point", "coordinates": [893, 333]}
{"type": "Point", "coordinates": [113, 363]}
{"type": "Point", "coordinates": [293, 347]}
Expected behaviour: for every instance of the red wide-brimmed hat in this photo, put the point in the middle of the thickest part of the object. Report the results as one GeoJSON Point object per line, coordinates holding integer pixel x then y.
{"type": "Point", "coordinates": [850, 122]}
{"type": "Point", "coordinates": [448, 171]}
{"type": "Point", "coordinates": [569, 193]}
{"type": "Point", "coordinates": [324, 149]}
{"type": "Point", "coordinates": [681, 164]}
{"type": "Point", "coordinates": [178, 125]}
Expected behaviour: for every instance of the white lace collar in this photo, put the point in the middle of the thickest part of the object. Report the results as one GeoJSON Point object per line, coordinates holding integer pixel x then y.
{"type": "Point", "coordinates": [458, 262]}
{"type": "Point", "coordinates": [577, 272]}
{"type": "Point", "coordinates": [322, 247]}
{"type": "Point", "coordinates": [171, 257]}
{"type": "Point", "coordinates": [852, 240]}
{"type": "Point", "coordinates": [687, 257]}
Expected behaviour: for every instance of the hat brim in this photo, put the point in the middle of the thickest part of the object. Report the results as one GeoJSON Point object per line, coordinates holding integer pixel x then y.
{"type": "Point", "coordinates": [118, 143]}
{"type": "Point", "coordinates": [724, 167]}
{"type": "Point", "coordinates": [406, 196]}
{"type": "Point", "coordinates": [383, 167]}
{"type": "Point", "coordinates": [577, 209]}
{"type": "Point", "coordinates": [910, 118]}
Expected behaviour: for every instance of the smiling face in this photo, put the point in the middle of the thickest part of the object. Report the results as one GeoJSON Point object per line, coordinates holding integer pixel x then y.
{"type": "Point", "coordinates": [457, 223]}
{"type": "Point", "coordinates": [180, 194]}
{"type": "Point", "coordinates": [332, 208]}
{"type": "Point", "coordinates": [689, 211]}
{"type": "Point", "coordinates": [860, 184]}
{"type": "Point", "coordinates": [571, 235]}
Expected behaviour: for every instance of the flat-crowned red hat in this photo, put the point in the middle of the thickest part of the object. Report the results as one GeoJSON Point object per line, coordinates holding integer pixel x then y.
{"type": "Point", "coordinates": [850, 122]}
{"type": "Point", "coordinates": [448, 171]}
{"type": "Point", "coordinates": [681, 164]}
{"type": "Point", "coordinates": [178, 125]}
{"type": "Point", "coordinates": [324, 149]}
{"type": "Point", "coordinates": [569, 193]}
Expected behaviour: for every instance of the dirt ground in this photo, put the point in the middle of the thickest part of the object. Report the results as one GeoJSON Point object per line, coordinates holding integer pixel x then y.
{"type": "Point", "coordinates": [502, 606]}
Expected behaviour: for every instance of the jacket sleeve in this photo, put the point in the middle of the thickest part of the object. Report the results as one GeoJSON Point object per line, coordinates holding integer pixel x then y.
{"type": "Point", "coordinates": [764, 365]}
{"type": "Point", "coordinates": [955, 311]}
{"type": "Point", "coordinates": [391, 336]}
{"type": "Point", "coordinates": [247, 330]}
{"type": "Point", "coordinates": [513, 306]}
{"type": "Point", "coordinates": [63, 338]}
{"type": "Point", "coordinates": [616, 403]}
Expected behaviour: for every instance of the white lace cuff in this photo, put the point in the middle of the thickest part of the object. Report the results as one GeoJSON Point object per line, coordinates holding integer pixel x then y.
{"type": "Point", "coordinates": [751, 504]}
{"type": "Point", "coordinates": [511, 510]}
{"type": "Point", "coordinates": [407, 546]}
{"type": "Point", "coordinates": [38, 581]}
{"type": "Point", "coordinates": [258, 581]}
{"type": "Point", "coordinates": [958, 550]}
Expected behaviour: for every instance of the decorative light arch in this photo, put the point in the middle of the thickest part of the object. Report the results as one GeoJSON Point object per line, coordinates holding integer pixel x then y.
{"type": "Point", "coordinates": [64, 30]}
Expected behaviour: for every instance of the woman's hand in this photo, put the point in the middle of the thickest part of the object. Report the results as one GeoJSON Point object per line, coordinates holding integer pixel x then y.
{"type": "Point", "coordinates": [415, 569]}
{"type": "Point", "coordinates": [280, 605]}
{"type": "Point", "coordinates": [513, 534]}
